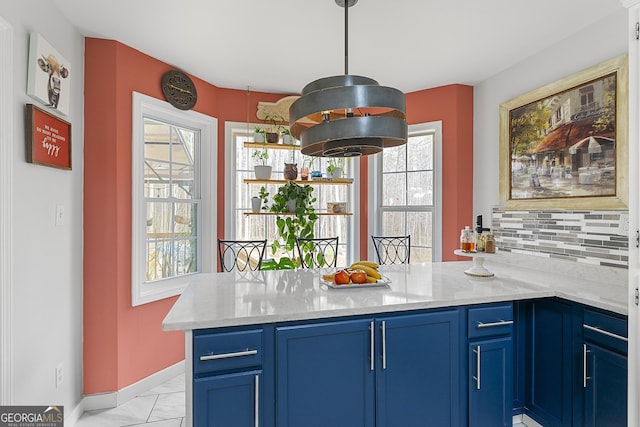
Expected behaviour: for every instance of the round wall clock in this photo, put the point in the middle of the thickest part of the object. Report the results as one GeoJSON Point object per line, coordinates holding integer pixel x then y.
{"type": "Point", "coordinates": [179, 90]}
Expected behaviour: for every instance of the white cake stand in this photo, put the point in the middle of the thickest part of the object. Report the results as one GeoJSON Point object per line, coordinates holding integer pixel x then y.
{"type": "Point", "coordinates": [477, 269]}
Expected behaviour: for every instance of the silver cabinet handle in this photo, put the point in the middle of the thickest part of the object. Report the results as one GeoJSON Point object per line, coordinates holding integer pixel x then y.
{"type": "Point", "coordinates": [256, 417]}
{"type": "Point", "coordinates": [584, 366]}
{"type": "Point", "coordinates": [372, 339]}
{"type": "Point", "coordinates": [494, 324]}
{"type": "Point", "coordinates": [603, 332]}
{"type": "Point", "coordinates": [477, 377]}
{"type": "Point", "coordinates": [384, 345]}
{"type": "Point", "coordinates": [246, 352]}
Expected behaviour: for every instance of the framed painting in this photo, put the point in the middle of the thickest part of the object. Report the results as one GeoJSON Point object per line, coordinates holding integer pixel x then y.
{"type": "Point", "coordinates": [48, 139]}
{"type": "Point", "coordinates": [49, 75]}
{"type": "Point", "coordinates": [565, 145]}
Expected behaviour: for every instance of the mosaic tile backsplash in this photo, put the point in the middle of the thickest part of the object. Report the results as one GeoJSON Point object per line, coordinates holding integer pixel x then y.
{"type": "Point", "coordinates": [591, 237]}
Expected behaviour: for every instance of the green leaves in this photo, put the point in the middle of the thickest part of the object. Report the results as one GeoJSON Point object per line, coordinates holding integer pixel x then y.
{"type": "Point", "coordinates": [301, 222]}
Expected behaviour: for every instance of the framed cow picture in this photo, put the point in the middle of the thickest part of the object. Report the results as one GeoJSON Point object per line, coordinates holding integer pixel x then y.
{"type": "Point", "coordinates": [49, 79]}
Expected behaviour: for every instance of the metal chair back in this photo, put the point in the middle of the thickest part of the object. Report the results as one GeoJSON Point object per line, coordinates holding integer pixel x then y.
{"type": "Point", "coordinates": [392, 249]}
{"type": "Point", "coordinates": [242, 255]}
{"type": "Point", "coordinates": [316, 253]}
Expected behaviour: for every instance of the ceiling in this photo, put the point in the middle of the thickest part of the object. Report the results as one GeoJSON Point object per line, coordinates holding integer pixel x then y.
{"type": "Point", "coordinates": [280, 45]}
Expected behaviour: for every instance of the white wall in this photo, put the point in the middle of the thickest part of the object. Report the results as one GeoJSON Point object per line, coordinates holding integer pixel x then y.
{"type": "Point", "coordinates": [47, 260]}
{"type": "Point", "coordinates": [596, 43]}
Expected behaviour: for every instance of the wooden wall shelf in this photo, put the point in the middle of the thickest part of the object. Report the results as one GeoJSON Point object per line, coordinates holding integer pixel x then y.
{"type": "Point", "coordinates": [337, 181]}
{"type": "Point", "coordinates": [291, 213]}
{"type": "Point", "coordinates": [271, 145]}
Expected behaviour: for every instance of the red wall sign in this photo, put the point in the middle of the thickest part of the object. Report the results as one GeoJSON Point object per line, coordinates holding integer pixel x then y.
{"type": "Point", "coordinates": [48, 139]}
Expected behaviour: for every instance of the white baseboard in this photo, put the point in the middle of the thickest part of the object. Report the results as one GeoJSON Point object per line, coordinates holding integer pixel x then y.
{"type": "Point", "coordinates": [72, 417]}
{"type": "Point", "coordinates": [111, 400]}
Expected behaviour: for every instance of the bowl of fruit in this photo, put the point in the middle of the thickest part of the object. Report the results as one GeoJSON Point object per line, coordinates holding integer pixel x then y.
{"type": "Point", "coordinates": [358, 275]}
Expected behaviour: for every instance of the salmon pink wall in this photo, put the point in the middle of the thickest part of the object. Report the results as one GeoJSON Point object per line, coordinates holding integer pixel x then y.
{"type": "Point", "coordinates": [124, 344]}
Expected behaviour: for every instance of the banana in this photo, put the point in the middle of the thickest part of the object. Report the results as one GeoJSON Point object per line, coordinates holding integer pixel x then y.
{"type": "Point", "coordinates": [370, 271]}
{"type": "Point", "coordinates": [367, 263]}
{"type": "Point", "coordinates": [371, 279]}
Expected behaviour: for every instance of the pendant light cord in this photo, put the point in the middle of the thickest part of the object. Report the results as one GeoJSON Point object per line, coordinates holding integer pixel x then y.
{"type": "Point", "coordinates": [346, 37]}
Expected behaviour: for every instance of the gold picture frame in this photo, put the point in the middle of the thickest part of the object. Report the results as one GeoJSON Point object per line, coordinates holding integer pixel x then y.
{"type": "Point", "coordinates": [565, 145]}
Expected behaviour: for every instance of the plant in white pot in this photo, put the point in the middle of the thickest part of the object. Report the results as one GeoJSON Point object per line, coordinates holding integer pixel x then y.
{"type": "Point", "coordinates": [258, 135]}
{"type": "Point", "coordinates": [261, 169]}
{"type": "Point", "coordinates": [335, 167]}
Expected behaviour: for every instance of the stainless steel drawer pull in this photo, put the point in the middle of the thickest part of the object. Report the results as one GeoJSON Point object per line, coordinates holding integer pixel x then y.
{"type": "Point", "coordinates": [477, 377]}
{"type": "Point", "coordinates": [247, 352]}
{"type": "Point", "coordinates": [603, 332]}
{"type": "Point", "coordinates": [256, 416]}
{"type": "Point", "coordinates": [494, 324]}
{"type": "Point", "coordinates": [372, 344]}
{"type": "Point", "coordinates": [384, 345]}
{"type": "Point", "coordinates": [584, 365]}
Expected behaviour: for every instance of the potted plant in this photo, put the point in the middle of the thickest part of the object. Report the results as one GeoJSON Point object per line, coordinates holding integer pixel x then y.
{"type": "Point", "coordinates": [307, 164]}
{"type": "Point", "coordinates": [335, 167]}
{"type": "Point", "coordinates": [298, 200]}
{"type": "Point", "coordinates": [291, 168]}
{"type": "Point", "coordinates": [274, 127]}
{"type": "Point", "coordinates": [258, 135]}
{"type": "Point", "coordinates": [261, 169]}
{"type": "Point", "coordinates": [287, 138]}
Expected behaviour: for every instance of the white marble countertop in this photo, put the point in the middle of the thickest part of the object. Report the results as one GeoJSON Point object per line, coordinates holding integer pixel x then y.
{"type": "Point", "coordinates": [233, 299]}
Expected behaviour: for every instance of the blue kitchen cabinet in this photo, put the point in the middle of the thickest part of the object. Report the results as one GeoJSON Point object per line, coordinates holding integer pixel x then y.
{"type": "Point", "coordinates": [490, 365]}
{"type": "Point", "coordinates": [418, 370]}
{"type": "Point", "coordinates": [549, 362]}
{"type": "Point", "coordinates": [395, 371]}
{"type": "Point", "coordinates": [605, 402]}
{"type": "Point", "coordinates": [490, 386]}
{"type": "Point", "coordinates": [325, 375]}
{"type": "Point", "coordinates": [233, 377]}
{"type": "Point", "coordinates": [604, 370]}
{"type": "Point", "coordinates": [231, 400]}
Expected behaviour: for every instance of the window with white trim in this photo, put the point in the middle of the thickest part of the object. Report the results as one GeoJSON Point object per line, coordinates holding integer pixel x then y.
{"type": "Point", "coordinates": [407, 196]}
{"type": "Point", "coordinates": [172, 198]}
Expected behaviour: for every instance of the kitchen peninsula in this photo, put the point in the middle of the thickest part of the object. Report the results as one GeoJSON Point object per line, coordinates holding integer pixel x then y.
{"type": "Point", "coordinates": [279, 348]}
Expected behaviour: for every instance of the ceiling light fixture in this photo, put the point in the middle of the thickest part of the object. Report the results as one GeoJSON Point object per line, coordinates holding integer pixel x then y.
{"type": "Point", "coordinates": [345, 116]}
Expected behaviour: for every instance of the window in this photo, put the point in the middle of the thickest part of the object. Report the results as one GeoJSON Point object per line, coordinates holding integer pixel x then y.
{"type": "Point", "coordinates": [238, 194]}
{"type": "Point", "coordinates": [172, 198]}
{"type": "Point", "coordinates": [407, 196]}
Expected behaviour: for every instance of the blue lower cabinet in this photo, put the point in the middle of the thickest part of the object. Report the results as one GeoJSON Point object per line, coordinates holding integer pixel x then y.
{"type": "Point", "coordinates": [418, 370]}
{"type": "Point", "coordinates": [396, 371]}
{"type": "Point", "coordinates": [549, 363]}
{"type": "Point", "coordinates": [605, 402]}
{"type": "Point", "coordinates": [324, 375]}
{"type": "Point", "coordinates": [231, 400]}
{"type": "Point", "coordinates": [491, 382]}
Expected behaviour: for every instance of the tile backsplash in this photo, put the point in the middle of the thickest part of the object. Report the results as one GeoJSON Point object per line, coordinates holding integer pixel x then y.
{"type": "Point", "coordinates": [591, 237]}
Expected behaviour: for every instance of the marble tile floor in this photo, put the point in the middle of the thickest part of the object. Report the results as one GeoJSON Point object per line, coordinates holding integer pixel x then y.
{"type": "Point", "coordinates": [163, 406]}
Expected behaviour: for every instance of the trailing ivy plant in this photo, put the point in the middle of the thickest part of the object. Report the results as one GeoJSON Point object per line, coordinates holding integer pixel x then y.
{"type": "Point", "coordinates": [301, 223]}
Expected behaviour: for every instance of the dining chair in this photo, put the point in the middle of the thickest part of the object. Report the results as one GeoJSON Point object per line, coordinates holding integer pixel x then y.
{"type": "Point", "coordinates": [392, 249]}
{"type": "Point", "coordinates": [242, 255]}
{"type": "Point", "coordinates": [315, 253]}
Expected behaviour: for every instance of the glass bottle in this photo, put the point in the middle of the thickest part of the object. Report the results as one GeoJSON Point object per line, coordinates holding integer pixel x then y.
{"type": "Point", "coordinates": [467, 239]}
{"type": "Point", "coordinates": [490, 244]}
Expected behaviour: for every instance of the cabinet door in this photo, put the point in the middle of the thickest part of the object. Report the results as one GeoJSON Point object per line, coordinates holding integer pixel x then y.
{"type": "Point", "coordinates": [417, 380]}
{"type": "Point", "coordinates": [605, 401]}
{"type": "Point", "coordinates": [325, 375]}
{"type": "Point", "coordinates": [232, 400]}
{"type": "Point", "coordinates": [549, 363]}
{"type": "Point", "coordinates": [490, 382]}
